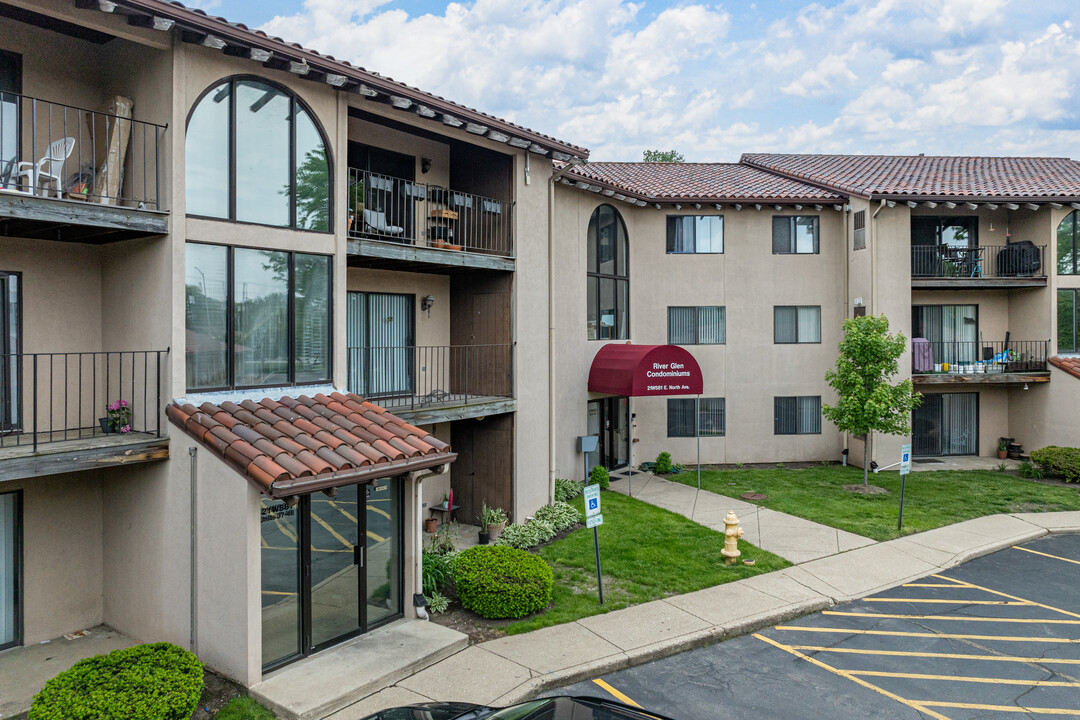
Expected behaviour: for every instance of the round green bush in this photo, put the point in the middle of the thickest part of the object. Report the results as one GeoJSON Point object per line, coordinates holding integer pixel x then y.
{"type": "Point", "coordinates": [157, 681]}
{"type": "Point", "coordinates": [600, 476]}
{"type": "Point", "coordinates": [498, 581]}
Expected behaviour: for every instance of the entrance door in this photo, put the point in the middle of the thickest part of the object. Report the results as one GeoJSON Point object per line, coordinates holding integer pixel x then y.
{"type": "Point", "coordinates": [946, 424]}
{"type": "Point", "coordinates": [610, 419]}
{"type": "Point", "coordinates": [331, 568]}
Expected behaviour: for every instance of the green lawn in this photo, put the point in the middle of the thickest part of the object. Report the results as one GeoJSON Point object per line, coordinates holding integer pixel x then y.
{"type": "Point", "coordinates": [931, 499]}
{"type": "Point", "coordinates": [646, 553]}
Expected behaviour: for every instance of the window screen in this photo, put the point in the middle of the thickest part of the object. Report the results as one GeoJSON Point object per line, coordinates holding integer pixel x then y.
{"type": "Point", "coordinates": [797, 324]}
{"type": "Point", "coordinates": [795, 234]}
{"type": "Point", "coordinates": [797, 415]}
{"type": "Point", "coordinates": [697, 325]}
{"type": "Point", "coordinates": [681, 417]}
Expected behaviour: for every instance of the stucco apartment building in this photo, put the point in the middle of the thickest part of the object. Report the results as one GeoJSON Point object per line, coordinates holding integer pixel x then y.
{"type": "Point", "coordinates": [320, 300]}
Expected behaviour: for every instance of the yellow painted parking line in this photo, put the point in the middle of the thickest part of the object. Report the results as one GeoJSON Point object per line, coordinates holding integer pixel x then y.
{"type": "Point", "coordinates": [944, 636]}
{"type": "Point", "coordinates": [276, 592]}
{"type": "Point", "coordinates": [940, 601]}
{"type": "Point", "coordinates": [337, 506]}
{"type": "Point", "coordinates": [932, 585]}
{"type": "Point", "coordinates": [849, 676]}
{"type": "Point", "coordinates": [1012, 597]}
{"type": "Point", "coordinates": [264, 543]}
{"type": "Point", "coordinates": [967, 679]}
{"type": "Point", "coordinates": [964, 618]}
{"type": "Point", "coordinates": [943, 656]}
{"type": "Point", "coordinates": [1036, 552]}
{"type": "Point", "coordinates": [380, 511]}
{"type": "Point", "coordinates": [376, 538]}
{"type": "Point", "coordinates": [332, 531]}
{"type": "Point", "coordinates": [285, 530]}
{"type": "Point", "coordinates": [314, 549]}
{"type": "Point", "coordinates": [616, 694]}
{"type": "Point", "coordinates": [1004, 708]}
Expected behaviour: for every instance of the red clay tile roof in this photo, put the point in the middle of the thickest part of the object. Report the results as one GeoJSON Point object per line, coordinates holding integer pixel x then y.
{"type": "Point", "coordinates": [1070, 365]}
{"type": "Point", "coordinates": [194, 17]}
{"type": "Point", "coordinates": [702, 182]}
{"type": "Point", "coordinates": [909, 177]}
{"type": "Point", "coordinates": [294, 446]}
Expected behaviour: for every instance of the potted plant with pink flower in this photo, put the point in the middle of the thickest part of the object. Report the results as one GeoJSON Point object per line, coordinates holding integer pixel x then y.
{"type": "Point", "coordinates": [119, 418]}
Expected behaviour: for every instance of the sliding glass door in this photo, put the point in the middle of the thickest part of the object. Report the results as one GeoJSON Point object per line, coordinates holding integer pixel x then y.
{"type": "Point", "coordinates": [946, 424]}
{"type": "Point", "coordinates": [953, 331]}
{"type": "Point", "coordinates": [10, 568]}
{"type": "Point", "coordinates": [10, 344]}
{"type": "Point", "coordinates": [381, 335]}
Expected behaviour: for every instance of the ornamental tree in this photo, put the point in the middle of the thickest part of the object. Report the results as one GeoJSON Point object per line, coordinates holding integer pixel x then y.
{"type": "Point", "coordinates": [867, 402]}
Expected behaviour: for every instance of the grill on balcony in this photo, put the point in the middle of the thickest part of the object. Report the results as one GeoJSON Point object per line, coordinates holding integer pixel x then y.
{"type": "Point", "coordinates": [1015, 260]}
{"type": "Point", "coordinates": [387, 208]}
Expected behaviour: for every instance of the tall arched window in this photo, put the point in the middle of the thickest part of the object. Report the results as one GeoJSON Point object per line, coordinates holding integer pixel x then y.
{"type": "Point", "coordinates": [255, 153]}
{"type": "Point", "coordinates": [609, 276]}
{"type": "Point", "coordinates": [1068, 245]}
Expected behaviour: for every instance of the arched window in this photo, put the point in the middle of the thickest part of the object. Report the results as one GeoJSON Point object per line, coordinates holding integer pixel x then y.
{"type": "Point", "coordinates": [609, 276]}
{"type": "Point", "coordinates": [256, 154]}
{"type": "Point", "coordinates": [1068, 245]}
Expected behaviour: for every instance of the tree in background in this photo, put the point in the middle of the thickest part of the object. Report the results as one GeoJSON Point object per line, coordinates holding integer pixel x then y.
{"type": "Point", "coordinates": [867, 402]}
{"type": "Point", "coordinates": [662, 156]}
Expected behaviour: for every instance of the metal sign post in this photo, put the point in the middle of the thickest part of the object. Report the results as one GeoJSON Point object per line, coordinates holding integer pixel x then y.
{"type": "Point", "coordinates": [594, 519]}
{"type": "Point", "coordinates": [697, 433]}
{"type": "Point", "coordinates": [905, 468]}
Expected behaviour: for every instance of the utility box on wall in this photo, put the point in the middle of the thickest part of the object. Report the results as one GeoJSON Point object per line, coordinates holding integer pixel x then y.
{"type": "Point", "coordinates": [588, 443]}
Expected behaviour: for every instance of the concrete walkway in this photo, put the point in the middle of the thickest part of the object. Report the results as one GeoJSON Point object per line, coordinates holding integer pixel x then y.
{"type": "Point", "coordinates": [513, 669]}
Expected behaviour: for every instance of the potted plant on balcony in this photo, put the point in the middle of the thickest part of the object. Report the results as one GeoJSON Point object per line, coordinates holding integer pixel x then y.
{"type": "Point", "coordinates": [119, 418]}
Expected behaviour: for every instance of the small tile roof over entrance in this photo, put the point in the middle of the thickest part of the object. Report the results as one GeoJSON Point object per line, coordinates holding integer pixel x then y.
{"type": "Point", "coordinates": [913, 177]}
{"type": "Point", "coordinates": [294, 446]}
{"type": "Point", "coordinates": [700, 182]}
{"type": "Point", "coordinates": [1070, 365]}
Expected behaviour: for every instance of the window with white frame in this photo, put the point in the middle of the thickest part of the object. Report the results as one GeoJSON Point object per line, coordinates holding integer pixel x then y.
{"type": "Point", "coordinates": [796, 324]}
{"type": "Point", "coordinates": [705, 325]}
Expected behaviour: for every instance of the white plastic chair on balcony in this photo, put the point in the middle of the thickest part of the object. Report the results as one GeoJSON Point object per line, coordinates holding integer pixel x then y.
{"type": "Point", "coordinates": [49, 168]}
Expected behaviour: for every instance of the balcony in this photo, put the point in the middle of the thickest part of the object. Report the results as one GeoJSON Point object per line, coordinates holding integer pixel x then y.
{"type": "Point", "coordinates": [78, 175]}
{"type": "Point", "coordinates": [54, 417]}
{"type": "Point", "coordinates": [394, 221]}
{"type": "Point", "coordinates": [435, 383]}
{"type": "Point", "coordinates": [1009, 362]}
{"type": "Point", "coordinates": [942, 267]}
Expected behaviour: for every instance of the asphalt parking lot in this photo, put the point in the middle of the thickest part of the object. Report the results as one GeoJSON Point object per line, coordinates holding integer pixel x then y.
{"type": "Point", "coordinates": [998, 637]}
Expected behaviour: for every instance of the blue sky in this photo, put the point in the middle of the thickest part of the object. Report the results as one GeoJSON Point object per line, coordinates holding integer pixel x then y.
{"type": "Point", "coordinates": [713, 80]}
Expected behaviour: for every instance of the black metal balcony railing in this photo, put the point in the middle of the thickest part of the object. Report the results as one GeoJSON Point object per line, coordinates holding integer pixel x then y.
{"type": "Point", "coordinates": [59, 151]}
{"type": "Point", "coordinates": [416, 377]}
{"type": "Point", "coordinates": [55, 397]}
{"type": "Point", "coordinates": [1012, 356]}
{"type": "Point", "coordinates": [1021, 259]}
{"type": "Point", "coordinates": [390, 208]}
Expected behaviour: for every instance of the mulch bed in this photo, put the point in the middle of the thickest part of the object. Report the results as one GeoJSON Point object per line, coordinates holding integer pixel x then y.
{"type": "Point", "coordinates": [866, 489]}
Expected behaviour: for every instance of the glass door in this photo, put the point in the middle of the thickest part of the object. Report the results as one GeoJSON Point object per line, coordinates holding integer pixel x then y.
{"type": "Point", "coordinates": [946, 424]}
{"type": "Point", "coordinates": [383, 564]}
{"type": "Point", "coordinates": [381, 336]}
{"type": "Point", "coordinates": [610, 419]}
{"type": "Point", "coordinates": [10, 366]}
{"type": "Point", "coordinates": [10, 561]}
{"type": "Point", "coordinates": [336, 562]}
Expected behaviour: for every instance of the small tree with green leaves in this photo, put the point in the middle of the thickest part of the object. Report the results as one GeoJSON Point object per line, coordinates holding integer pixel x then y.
{"type": "Point", "coordinates": [867, 402]}
{"type": "Point", "coordinates": [662, 156]}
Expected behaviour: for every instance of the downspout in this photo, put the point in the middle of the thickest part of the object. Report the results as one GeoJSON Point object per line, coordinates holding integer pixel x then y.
{"type": "Point", "coordinates": [417, 476]}
{"type": "Point", "coordinates": [192, 451]}
{"type": "Point", "coordinates": [868, 444]}
{"type": "Point", "coordinates": [847, 288]}
{"type": "Point", "coordinates": [552, 456]}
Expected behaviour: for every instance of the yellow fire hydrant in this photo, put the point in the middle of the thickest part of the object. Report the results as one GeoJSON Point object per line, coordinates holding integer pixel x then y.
{"type": "Point", "coordinates": [732, 533]}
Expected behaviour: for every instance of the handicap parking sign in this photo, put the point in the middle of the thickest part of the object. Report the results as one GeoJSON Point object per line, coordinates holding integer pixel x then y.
{"type": "Point", "coordinates": [592, 500]}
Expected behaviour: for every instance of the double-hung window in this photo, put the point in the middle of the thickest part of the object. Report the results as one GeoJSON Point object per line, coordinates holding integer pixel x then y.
{"type": "Point", "coordinates": [795, 235]}
{"type": "Point", "coordinates": [1068, 245]}
{"type": "Point", "coordinates": [680, 417]}
{"type": "Point", "coordinates": [256, 318]}
{"type": "Point", "coordinates": [797, 415]}
{"type": "Point", "coordinates": [796, 324]}
{"type": "Point", "coordinates": [1068, 313]}
{"type": "Point", "coordinates": [695, 233]}
{"type": "Point", "coordinates": [697, 325]}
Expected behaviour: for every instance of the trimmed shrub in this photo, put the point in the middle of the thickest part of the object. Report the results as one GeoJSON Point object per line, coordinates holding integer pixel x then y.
{"type": "Point", "coordinates": [559, 515]}
{"type": "Point", "coordinates": [567, 490]}
{"type": "Point", "coordinates": [520, 535]}
{"type": "Point", "coordinates": [244, 708]}
{"type": "Point", "coordinates": [496, 581]}
{"type": "Point", "coordinates": [663, 463]}
{"type": "Point", "coordinates": [157, 681]}
{"type": "Point", "coordinates": [1060, 461]}
{"type": "Point", "coordinates": [599, 476]}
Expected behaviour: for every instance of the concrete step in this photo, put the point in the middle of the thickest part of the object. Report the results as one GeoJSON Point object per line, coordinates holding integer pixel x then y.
{"type": "Point", "coordinates": [318, 686]}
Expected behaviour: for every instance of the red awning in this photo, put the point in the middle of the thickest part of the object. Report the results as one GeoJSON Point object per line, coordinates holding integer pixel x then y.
{"type": "Point", "coordinates": [641, 370]}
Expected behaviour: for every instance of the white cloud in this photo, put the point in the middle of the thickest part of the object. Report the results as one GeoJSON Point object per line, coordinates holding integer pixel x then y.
{"type": "Point", "coordinates": [948, 76]}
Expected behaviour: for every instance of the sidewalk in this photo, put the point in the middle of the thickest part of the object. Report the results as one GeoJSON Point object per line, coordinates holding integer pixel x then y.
{"type": "Point", "coordinates": [516, 668]}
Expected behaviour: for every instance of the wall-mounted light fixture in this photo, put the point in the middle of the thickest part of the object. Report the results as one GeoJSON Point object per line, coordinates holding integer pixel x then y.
{"type": "Point", "coordinates": [426, 303]}
{"type": "Point", "coordinates": [425, 165]}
